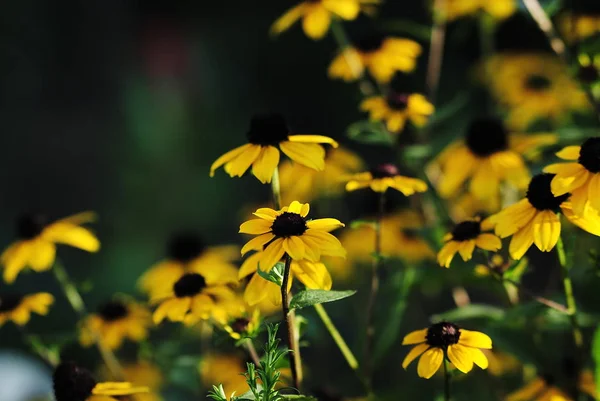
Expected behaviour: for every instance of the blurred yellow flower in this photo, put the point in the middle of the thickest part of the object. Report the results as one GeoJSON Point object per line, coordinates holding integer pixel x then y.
{"type": "Point", "coordinates": [538, 389]}
{"type": "Point", "coordinates": [114, 322]}
{"type": "Point", "coordinates": [36, 247]}
{"type": "Point", "coordinates": [499, 9]}
{"type": "Point", "coordinates": [398, 108]}
{"type": "Point", "coordinates": [464, 238]}
{"type": "Point", "coordinates": [145, 374]}
{"type": "Point", "coordinates": [244, 325]}
{"type": "Point", "coordinates": [501, 363]}
{"type": "Point", "coordinates": [266, 133]}
{"type": "Point", "coordinates": [587, 384]}
{"type": "Point", "coordinates": [300, 182]}
{"type": "Point", "coordinates": [532, 87]}
{"type": "Point", "coordinates": [381, 56]}
{"type": "Point", "coordinates": [316, 15]}
{"type": "Point", "coordinates": [575, 27]}
{"type": "Point", "coordinates": [385, 176]}
{"type": "Point", "coordinates": [223, 369]}
{"type": "Point", "coordinates": [446, 340]}
{"type": "Point", "coordinates": [18, 308]}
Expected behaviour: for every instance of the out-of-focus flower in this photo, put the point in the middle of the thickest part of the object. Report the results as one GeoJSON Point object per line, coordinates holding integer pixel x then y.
{"type": "Point", "coordinates": [446, 340]}
{"type": "Point", "coordinates": [464, 238]}
{"type": "Point", "coordinates": [223, 369]}
{"type": "Point", "coordinates": [535, 220]}
{"type": "Point", "coordinates": [501, 363]}
{"type": "Point", "coordinates": [114, 322]}
{"type": "Point", "coordinates": [18, 308]}
{"type": "Point", "coordinates": [266, 133]}
{"type": "Point", "coordinates": [499, 9]}
{"type": "Point", "coordinates": [488, 157]}
{"type": "Point", "coordinates": [589, 68]}
{"type": "Point", "coordinates": [36, 247]}
{"type": "Point", "coordinates": [72, 382]}
{"type": "Point", "coordinates": [300, 182]}
{"type": "Point", "coordinates": [575, 27]}
{"type": "Point", "coordinates": [496, 264]}
{"type": "Point", "coordinates": [398, 108]}
{"type": "Point", "coordinates": [385, 176]}
{"type": "Point", "coordinates": [587, 383]}
{"type": "Point", "coordinates": [539, 389]}
{"type": "Point", "coordinates": [187, 253]}
{"type": "Point", "coordinates": [245, 325]}
{"type": "Point", "coordinates": [142, 373]}
{"type": "Point", "coordinates": [532, 87]}
{"type": "Point", "coordinates": [381, 56]}
{"type": "Point", "coordinates": [288, 231]}
{"type": "Point", "coordinates": [316, 15]}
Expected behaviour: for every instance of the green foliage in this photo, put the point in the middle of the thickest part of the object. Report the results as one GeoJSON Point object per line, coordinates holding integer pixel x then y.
{"type": "Point", "coordinates": [596, 357]}
{"type": "Point", "coordinates": [312, 297]}
{"type": "Point", "coordinates": [369, 132]}
{"type": "Point", "coordinates": [471, 311]}
{"type": "Point", "coordinates": [275, 275]}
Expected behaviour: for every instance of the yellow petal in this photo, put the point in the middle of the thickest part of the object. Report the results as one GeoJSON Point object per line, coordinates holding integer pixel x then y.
{"type": "Point", "coordinates": [308, 154]}
{"type": "Point", "coordinates": [266, 213]}
{"type": "Point", "coordinates": [316, 21]}
{"type": "Point", "coordinates": [255, 290]}
{"type": "Point", "coordinates": [15, 258]}
{"type": "Point", "coordinates": [354, 185]}
{"type": "Point", "coordinates": [546, 230]}
{"type": "Point", "coordinates": [257, 243]}
{"type": "Point", "coordinates": [265, 164]}
{"type": "Point", "coordinates": [409, 186]}
{"type": "Point", "coordinates": [446, 254]}
{"type": "Point", "coordinates": [521, 242]}
{"type": "Point", "coordinates": [327, 224]}
{"type": "Point", "coordinates": [256, 227]}
{"type": "Point", "coordinates": [430, 362]}
{"type": "Point", "coordinates": [529, 392]}
{"type": "Point", "coordinates": [569, 153]}
{"type": "Point", "coordinates": [466, 249]}
{"type": "Point", "coordinates": [347, 9]}
{"type": "Point", "coordinates": [413, 354]}
{"type": "Point", "coordinates": [295, 207]}
{"type": "Point", "coordinates": [294, 247]}
{"type": "Point", "coordinates": [241, 163]}
{"type": "Point", "coordinates": [313, 139]}
{"type": "Point", "coordinates": [479, 358]}
{"type": "Point", "coordinates": [271, 255]}
{"type": "Point", "coordinates": [415, 337]}
{"type": "Point", "coordinates": [312, 275]}
{"type": "Point", "coordinates": [249, 266]}
{"type": "Point", "coordinates": [461, 357]}
{"type": "Point", "coordinates": [71, 234]}
{"type": "Point", "coordinates": [593, 191]}
{"type": "Point", "coordinates": [284, 22]}
{"type": "Point", "coordinates": [475, 339]}
{"type": "Point", "coordinates": [229, 156]}
{"type": "Point", "coordinates": [488, 242]}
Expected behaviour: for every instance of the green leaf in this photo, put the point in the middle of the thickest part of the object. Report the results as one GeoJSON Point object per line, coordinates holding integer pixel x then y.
{"type": "Point", "coordinates": [275, 275]}
{"type": "Point", "coordinates": [369, 132]}
{"type": "Point", "coordinates": [312, 297]}
{"type": "Point", "coordinates": [471, 311]}
{"type": "Point", "coordinates": [298, 397]}
{"type": "Point", "coordinates": [596, 357]}
{"type": "Point", "coordinates": [516, 271]}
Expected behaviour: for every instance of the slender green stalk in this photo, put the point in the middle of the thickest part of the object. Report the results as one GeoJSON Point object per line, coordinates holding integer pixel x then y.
{"type": "Point", "coordinates": [288, 319]}
{"type": "Point", "coordinates": [446, 380]}
{"type": "Point", "coordinates": [276, 189]}
{"type": "Point", "coordinates": [249, 345]}
{"type": "Point", "coordinates": [570, 298]}
{"type": "Point", "coordinates": [48, 355]}
{"type": "Point", "coordinates": [337, 337]}
{"type": "Point", "coordinates": [436, 49]}
{"type": "Point", "coordinates": [76, 301]}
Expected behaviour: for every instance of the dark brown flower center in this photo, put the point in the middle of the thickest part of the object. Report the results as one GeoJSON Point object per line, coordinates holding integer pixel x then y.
{"type": "Point", "coordinates": [385, 170]}
{"type": "Point", "coordinates": [442, 335]}
{"type": "Point", "coordinates": [538, 83]}
{"type": "Point", "coordinates": [188, 285]}
{"type": "Point", "coordinates": [31, 225]}
{"type": "Point", "coordinates": [397, 101]}
{"type": "Point", "coordinates": [589, 155]}
{"type": "Point", "coordinates": [268, 129]}
{"type": "Point", "coordinates": [185, 247]}
{"type": "Point", "coordinates": [466, 230]}
{"type": "Point", "coordinates": [240, 325]}
{"type": "Point", "coordinates": [486, 136]}
{"type": "Point", "coordinates": [540, 196]}
{"type": "Point", "coordinates": [72, 383]}
{"type": "Point", "coordinates": [9, 302]}
{"type": "Point", "coordinates": [112, 311]}
{"type": "Point", "coordinates": [370, 43]}
{"type": "Point", "coordinates": [289, 224]}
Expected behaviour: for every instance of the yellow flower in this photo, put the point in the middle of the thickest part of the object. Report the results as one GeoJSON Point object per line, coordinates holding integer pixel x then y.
{"type": "Point", "coordinates": [36, 247]}
{"type": "Point", "coordinates": [114, 322]}
{"type": "Point", "coordinates": [142, 373]}
{"type": "Point", "coordinates": [72, 382]}
{"type": "Point", "coordinates": [579, 176]}
{"type": "Point", "coordinates": [587, 384]}
{"type": "Point", "coordinates": [578, 26]}
{"type": "Point", "coordinates": [188, 254]}
{"type": "Point", "coordinates": [381, 56]}
{"type": "Point", "coordinates": [501, 363]}
{"type": "Point", "coordinates": [245, 325]}
{"type": "Point", "coordinates": [18, 308]}
{"type": "Point", "coordinates": [464, 238]}
{"type": "Point", "coordinates": [538, 389]}
{"type": "Point", "coordinates": [383, 177]}
{"type": "Point", "coordinates": [446, 340]}
{"type": "Point", "coordinates": [300, 182]}
{"type": "Point", "coordinates": [488, 157]}
{"type": "Point", "coordinates": [265, 134]}
{"type": "Point", "coordinates": [287, 231]}
{"type": "Point", "coordinates": [499, 9]}
{"type": "Point", "coordinates": [397, 108]}
{"type": "Point", "coordinates": [535, 219]}
{"type": "Point", "coordinates": [532, 87]}
{"type": "Point", "coordinates": [496, 264]}
{"type": "Point", "coordinates": [191, 300]}
{"type": "Point", "coordinates": [223, 369]}
{"type": "Point", "coordinates": [317, 14]}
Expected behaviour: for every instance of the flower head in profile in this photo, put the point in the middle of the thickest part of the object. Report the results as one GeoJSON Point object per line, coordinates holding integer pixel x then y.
{"type": "Point", "coordinates": [114, 322]}
{"type": "Point", "coordinates": [288, 231]}
{"type": "Point", "coordinates": [533, 87]}
{"type": "Point", "coordinates": [488, 157]}
{"type": "Point", "coordinates": [74, 383]}
{"type": "Point", "coordinates": [396, 109]}
{"type": "Point", "coordinates": [267, 135]}
{"type": "Point", "coordinates": [465, 237]}
{"type": "Point", "coordinates": [535, 219]}
{"type": "Point", "coordinates": [36, 246]}
{"type": "Point", "coordinates": [498, 9]}
{"type": "Point", "coordinates": [446, 340]}
{"type": "Point", "coordinates": [244, 325]}
{"type": "Point", "coordinates": [18, 308]}
{"type": "Point", "coordinates": [385, 176]}
{"type": "Point", "coordinates": [381, 56]}
{"type": "Point", "coordinates": [188, 253]}
{"type": "Point", "coordinates": [316, 15]}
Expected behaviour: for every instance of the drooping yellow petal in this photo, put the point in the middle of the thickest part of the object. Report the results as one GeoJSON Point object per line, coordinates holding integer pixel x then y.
{"type": "Point", "coordinates": [479, 358]}
{"type": "Point", "coordinates": [346, 9]}
{"type": "Point", "coordinates": [257, 243]}
{"type": "Point", "coordinates": [589, 220]}
{"type": "Point", "coordinates": [266, 163]}
{"type": "Point", "coordinates": [316, 21]}
{"type": "Point", "coordinates": [39, 303]}
{"type": "Point", "coordinates": [475, 339]}
{"type": "Point", "coordinates": [15, 259]}
{"type": "Point", "coordinates": [466, 249]}
{"type": "Point", "coordinates": [308, 154]}
{"type": "Point", "coordinates": [284, 22]}
{"type": "Point", "coordinates": [117, 388]}
{"type": "Point", "coordinates": [327, 243]}
{"type": "Point", "coordinates": [313, 139]}
{"type": "Point", "coordinates": [266, 213]}
{"type": "Point", "coordinates": [229, 156]}
{"type": "Point", "coordinates": [460, 357]}
{"type": "Point", "coordinates": [353, 185]}
{"type": "Point", "coordinates": [569, 153]}
{"type": "Point", "coordinates": [271, 255]}
{"type": "Point", "coordinates": [327, 224]}
{"type": "Point", "coordinates": [255, 290]}
{"type": "Point", "coordinates": [593, 191]}
{"type": "Point", "coordinates": [70, 234]}
{"type": "Point", "coordinates": [529, 392]}
{"type": "Point", "coordinates": [509, 220]}
{"type": "Point", "coordinates": [312, 275]}
{"type": "Point", "coordinates": [446, 254]}
{"type": "Point", "coordinates": [484, 184]}
{"type": "Point", "coordinates": [294, 247]}
{"type": "Point", "coordinates": [413, 354]}
{"type": "Point", "coordinates": [255, 227]}
{"type": "Point", "coordinates": [430, 362]}
{"type": "Point", "coordinates": [408, 186]}
{"type": "Point", "coordinates": [415, 337]}
{"type": "Point", "coordinates": [488, 242]}
{"type": "Point", "coordinates": [546, 230]}
{"type": "Point", "coordinates": [241, 163]}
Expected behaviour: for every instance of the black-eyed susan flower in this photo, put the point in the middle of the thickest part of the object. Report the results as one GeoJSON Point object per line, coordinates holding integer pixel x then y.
{"type": "Point", "coordinates": [226, 369]}
{"type": "Point", "coordinates": [74, 383]}
{"type": "Point", "coordinates": [577, 26]}
{"type": "Point", "coordinates": [498, 9]}
{"type": "Point", "coordinates": [300, 182]}
{"type": "Point", "coordinates": [539, 389]}
{"type": "Point", "coordinates": [36, 247]}
{"type": "Point", "coordinates": [316, 15]}
{"type": "Point", "coordinates": [398, 108]}
{"type": "Point", "coordinates": [381, 56]}
{"type": "Point", "coordinates": [535, 219]}
{"type": "Point", "coordinates": [18, 308]}
{"type": "Point", "coordinates": [245, 325]}
{"type": "Point", "coordinates": [114, 322]}
{"type": "Point", "coordinates": [288, 231]}
{"type": "Point", "coordinates": [191, 299]}
{"type": "Point", "coordinates": [580, 176]}
{"type": "Point", "coordinates": [385, 176]}
{"type": "Point", "coordinates": [187, 252]}
{"type": "Point", "coordinates": [488, 157]}
{"type": "Point", "coordinates": [446, 340]}
{"type": "Point", "coordinates": [267, 132]}
{"type": "Point", "coordinates": [465, 237]}
{"type": "Point", "coordinates": [533, 87]}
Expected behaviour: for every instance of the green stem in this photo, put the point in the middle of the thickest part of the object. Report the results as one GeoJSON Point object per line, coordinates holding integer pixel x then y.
{"type": "Point", "coordinates": [76, 301]}
{"type": "Point", "coordinates": [446, 380]}
{"type": "Point", "coordinates": [288, 318]}
{"type": "Point", "coordinates": [337, 337]}
{"type": "Point", "coordinates": [276, 189]}
{"type": "Point", "coordinates": [249, 345]}
{"type": "Point", "coordinates": [570, 298]}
